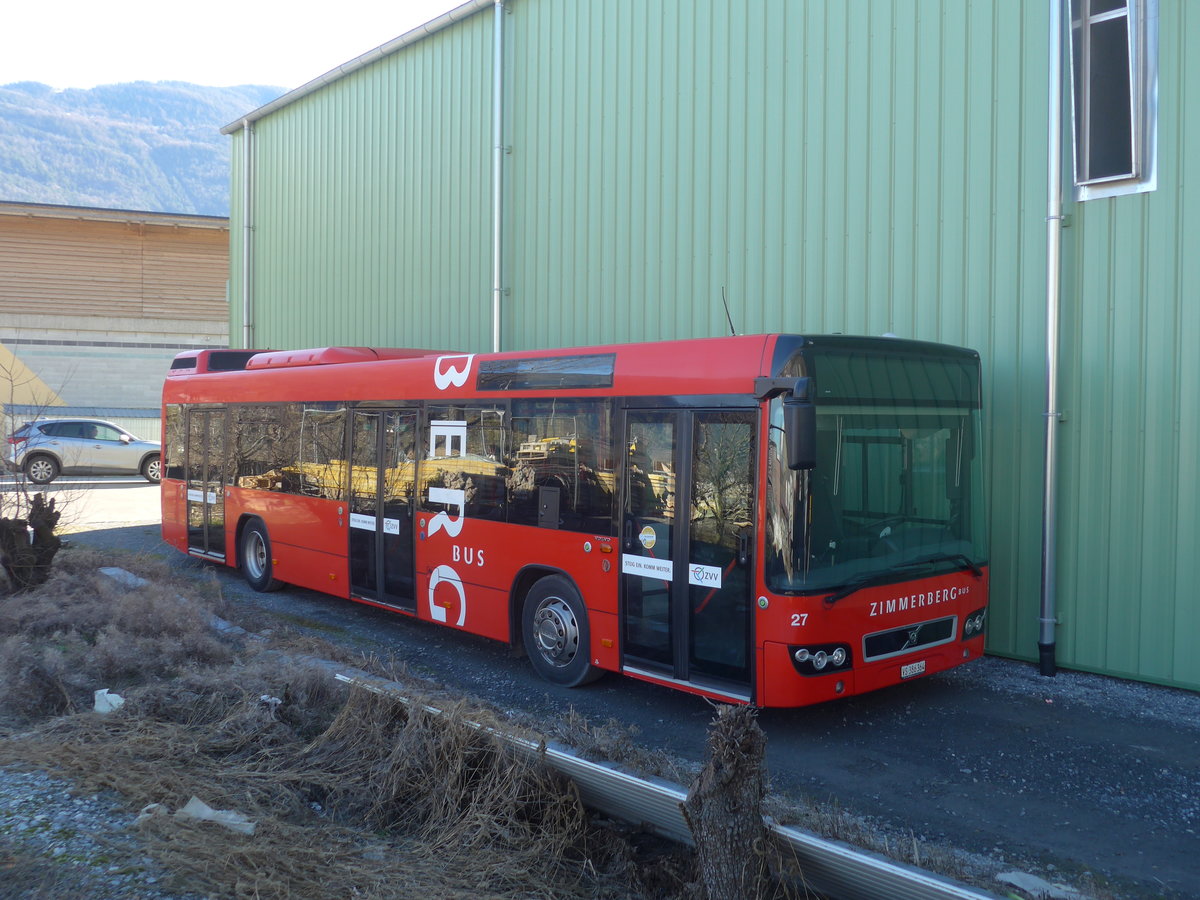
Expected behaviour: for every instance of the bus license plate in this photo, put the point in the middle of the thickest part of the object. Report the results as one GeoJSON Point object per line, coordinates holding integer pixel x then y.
{"type": "Point", "coordinates": [917, 668]}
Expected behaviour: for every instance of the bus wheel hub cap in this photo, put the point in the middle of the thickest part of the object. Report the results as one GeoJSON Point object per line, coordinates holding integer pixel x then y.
{"type": "Point", "coordinates": [556, 631]}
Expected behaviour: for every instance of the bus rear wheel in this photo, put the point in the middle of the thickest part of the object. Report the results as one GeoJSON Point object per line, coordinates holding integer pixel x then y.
{"type": "Point", "coordinates": [255, 557]}
{"type": "Point", "coordinates": [554, 626]}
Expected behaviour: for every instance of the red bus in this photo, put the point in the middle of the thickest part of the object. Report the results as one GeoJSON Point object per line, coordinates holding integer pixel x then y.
{"type": "Point", "coordinates": [773, 519]}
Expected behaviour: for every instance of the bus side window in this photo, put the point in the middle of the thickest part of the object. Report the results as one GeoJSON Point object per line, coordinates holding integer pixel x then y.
{"type": "Point", "coordinates": [323, 465]}
{"type": "Point", "coordinates": [463, 449]}
{"type": "Point", "coordinates": [174, 442]}
{"type": "Point", "coordinates": [264, 446]}
{"type": "Point", "coordinates": [561, 449]}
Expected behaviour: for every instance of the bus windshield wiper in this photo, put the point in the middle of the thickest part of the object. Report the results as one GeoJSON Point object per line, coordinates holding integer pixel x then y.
{"type": "Point", "coordinates": [964, 562]}
{"type": "Point", "coordinates": [855, 584]}
{"type": "Point", "coordinates": [862, 581]}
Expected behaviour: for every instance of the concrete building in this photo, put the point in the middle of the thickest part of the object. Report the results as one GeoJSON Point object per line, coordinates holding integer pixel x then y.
{"type": "Point", "coordinates": [995, 174]}
{"type": "Point", "coordinates": [94, 303]}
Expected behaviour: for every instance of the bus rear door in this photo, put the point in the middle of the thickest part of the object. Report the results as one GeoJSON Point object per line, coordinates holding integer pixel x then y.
{"type": "Point", "coordinates": [205, 467]}
{"type": "Point", "coordinates": [688, 493]}
{"type": "Point", "coordinates": [382, 469]}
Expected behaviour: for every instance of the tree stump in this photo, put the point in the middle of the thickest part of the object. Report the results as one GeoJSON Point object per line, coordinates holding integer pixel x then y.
{"type": "Point", "coordinates": [27, 561]}
{"type": "Point", "coordinates": [724, 808]}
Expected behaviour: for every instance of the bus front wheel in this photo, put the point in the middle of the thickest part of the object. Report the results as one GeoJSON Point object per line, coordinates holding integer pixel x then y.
{"type": "Point", "coordinates": [256, 558]}
{"type": "Point", "coordinates": [554, 626]}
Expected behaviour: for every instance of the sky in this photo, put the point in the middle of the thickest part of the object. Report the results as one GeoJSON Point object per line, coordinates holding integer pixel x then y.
{"type": "Point", "coordinates": [217, 43]}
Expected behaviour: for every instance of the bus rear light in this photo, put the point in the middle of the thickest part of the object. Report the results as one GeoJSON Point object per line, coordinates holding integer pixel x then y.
{"type": "Point", "coordinates": [975, 624]}
{"type": "Point", "coordinates": [820, 659]}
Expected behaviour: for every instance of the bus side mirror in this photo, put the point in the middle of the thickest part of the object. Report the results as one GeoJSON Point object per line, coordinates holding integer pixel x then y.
{"type": "Point", "coordinates": [800, 425]}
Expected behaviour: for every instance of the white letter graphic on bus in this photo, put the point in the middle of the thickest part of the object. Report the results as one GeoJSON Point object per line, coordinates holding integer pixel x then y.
{"type": "Point", "coordinates": [454, 438]}
{"type": "Point", "coordinates": [448, 575]}
{"type": "Point", "coordinates": [442, 521]}
{"type": "Point", "coordinates": [452, 376]}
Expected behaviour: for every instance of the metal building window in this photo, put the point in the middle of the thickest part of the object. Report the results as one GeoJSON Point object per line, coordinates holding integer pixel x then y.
{"type": "Point", "coordinates": [1115, 81]}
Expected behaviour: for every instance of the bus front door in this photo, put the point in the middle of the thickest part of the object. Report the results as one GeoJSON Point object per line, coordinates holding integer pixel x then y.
{"type": "Point", "coordinates": [688, 497]}
{"type": "Point", "coordinates": [205, 468]}
{"type": "Point", "coordinates": [382, 468]}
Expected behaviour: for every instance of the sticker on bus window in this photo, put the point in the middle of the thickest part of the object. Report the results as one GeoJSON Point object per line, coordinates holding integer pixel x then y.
{"type": "Point", "coordinates": [704, 576]}
{"type": "Point", "coordinates": [358, 520]}
{"type": "Point", "coordinates": [647, 567]}
{"type": "Point", "coordinates": [648, 538]}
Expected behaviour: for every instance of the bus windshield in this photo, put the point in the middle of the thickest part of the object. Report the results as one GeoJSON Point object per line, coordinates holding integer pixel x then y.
{"type": "Point", "coordinates": [897, 487]}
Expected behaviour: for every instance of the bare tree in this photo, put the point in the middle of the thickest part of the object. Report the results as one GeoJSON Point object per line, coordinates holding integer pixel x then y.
{"type": "Point", "coordinates": [28, 521]}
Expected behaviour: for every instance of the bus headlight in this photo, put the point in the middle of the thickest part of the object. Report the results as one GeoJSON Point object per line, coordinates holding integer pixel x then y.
{"type": "Point", "coordinates": [975, 624]}
{"type": "Point", "coordinates": [820, 659]}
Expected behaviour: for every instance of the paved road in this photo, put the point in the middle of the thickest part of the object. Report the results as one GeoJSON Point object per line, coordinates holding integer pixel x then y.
{"type": "Point", "coordinates": [87, 504]}
{"type": "Point", "coordinates": [1065, 776]}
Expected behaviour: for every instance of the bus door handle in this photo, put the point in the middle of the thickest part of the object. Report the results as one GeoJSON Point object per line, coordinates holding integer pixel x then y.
{"type": "Point", "coordinates": [743, 550]}
{"type": "Point", "coordinates": [627, 536]}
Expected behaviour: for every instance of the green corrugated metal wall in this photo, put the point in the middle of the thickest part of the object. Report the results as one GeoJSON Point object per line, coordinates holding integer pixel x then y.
{"type": "Point", "coordinates": [863, 166]}
{"type": "Point", "coordinates": [372, 204]}
{"type": "Point", "coordinates": [1130, 502]}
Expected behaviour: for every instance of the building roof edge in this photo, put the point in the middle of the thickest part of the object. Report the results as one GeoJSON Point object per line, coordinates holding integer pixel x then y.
{"type": "Point", "coordinates": [419, 33]}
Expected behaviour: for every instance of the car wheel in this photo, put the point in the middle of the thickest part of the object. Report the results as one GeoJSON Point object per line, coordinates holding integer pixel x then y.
{"type": "Point", "coordinates": [41, 469]}
{"type": "Point", "coordinates": [255, 557]}
{"type": "Point", "coordinates": [152, 469]}
{"type": "Point", "coordinates": [554, 626]}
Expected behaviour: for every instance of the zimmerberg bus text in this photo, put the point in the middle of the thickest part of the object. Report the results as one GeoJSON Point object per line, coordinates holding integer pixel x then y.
{"type": "Point", "coordinates": [917, 601]}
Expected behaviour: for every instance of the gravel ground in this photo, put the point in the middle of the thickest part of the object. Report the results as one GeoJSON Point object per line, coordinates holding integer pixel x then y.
{"type": "Point", "coordinates": [59, 845]}
{"type": "Point", "coordinates": [1136, 700]}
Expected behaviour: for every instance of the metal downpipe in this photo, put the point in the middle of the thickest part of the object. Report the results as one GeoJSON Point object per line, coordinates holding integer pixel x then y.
{"type": "Point", "coordinates": [247, 230]}
{"type": "Point", "coordinates": [1048, 617]}
{"type": "Point", "coordinates": [497, 171]}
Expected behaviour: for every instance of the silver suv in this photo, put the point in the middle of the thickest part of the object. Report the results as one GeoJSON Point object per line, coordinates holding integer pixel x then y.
{"type": "Point", "coordinates": [47, 448]}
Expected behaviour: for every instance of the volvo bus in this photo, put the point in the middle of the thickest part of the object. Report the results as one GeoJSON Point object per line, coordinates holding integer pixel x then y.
{"type": "Point", "coordinates": [776, 519]}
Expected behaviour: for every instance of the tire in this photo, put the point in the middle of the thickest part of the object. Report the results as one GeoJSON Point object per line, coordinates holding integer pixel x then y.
{"type": "Point", "coordinates": [254, 557]}
{"type": "Point", "coordinates": [41, 469]}
{"type": "Point", "coordinates": [152, 469]}
{"type": "Point", "coordinates": [554, 627]}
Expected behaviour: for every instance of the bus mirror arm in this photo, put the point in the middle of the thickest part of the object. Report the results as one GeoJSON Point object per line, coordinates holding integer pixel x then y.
{"type": "Point", "coordinates": [766, 388]}
{"type": "Point", "coordinates": [800, 425]}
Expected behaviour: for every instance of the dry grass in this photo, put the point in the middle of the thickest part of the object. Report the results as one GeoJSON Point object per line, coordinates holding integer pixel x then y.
{"type": "Point", "coordinates": [354, 794]}
{"type": "Point", "coordinates": [81, 631]}
{"type": "Point", "coordinates": [617, 742]}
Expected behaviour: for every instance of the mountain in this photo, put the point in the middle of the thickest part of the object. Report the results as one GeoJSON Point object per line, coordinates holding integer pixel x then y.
{"type": "Point", "coordinates": [156, 147]}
